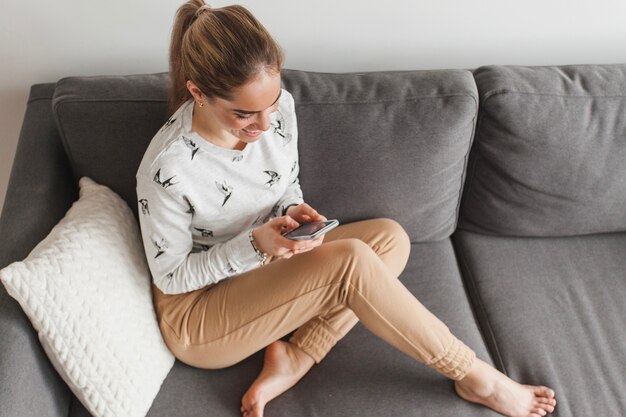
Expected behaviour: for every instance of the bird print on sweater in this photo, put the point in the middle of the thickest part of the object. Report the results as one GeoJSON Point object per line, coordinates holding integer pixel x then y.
{"type": "Point", "coordinates": [225, 189]}
{"type": "Point", "coordinates": [204, 232]}
{"type": "Point", "coordinates": [169, 122]}
{"type": "Point", "coordinates": [191, 145]}
{"type": "Point", "coordinates": [230, 269]}
{"type": "Point", "coordinates": [144, 206]}
{"type": "Point", "coordinates": [279, 129]}
{"type": "Point", "coordinates": [274, 178]}
{"type": "Point", "coordinates": [167, 183]}
{"type": "Point", "coordinates": [192, 209]}
{"type": "Point", "coordinates": [199, 248]}
{"type": "Point", "coordinates": [161, 247]}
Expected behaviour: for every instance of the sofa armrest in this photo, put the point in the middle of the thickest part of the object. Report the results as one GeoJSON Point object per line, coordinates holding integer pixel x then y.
{"type": "Point", "coordinates": [41, 189]}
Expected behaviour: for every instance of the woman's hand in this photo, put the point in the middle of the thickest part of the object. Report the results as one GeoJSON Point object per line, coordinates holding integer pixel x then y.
{"type": "Point", "coordinates": [304, 213]}
{"type": "Point", "coordinates": [269, 238]}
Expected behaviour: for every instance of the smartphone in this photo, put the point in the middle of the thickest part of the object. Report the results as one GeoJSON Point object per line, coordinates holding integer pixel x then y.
{"type": "Point", "coordinates": [311, 230]}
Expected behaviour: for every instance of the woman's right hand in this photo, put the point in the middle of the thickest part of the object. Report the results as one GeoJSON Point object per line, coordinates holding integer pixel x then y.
{"type": "Point", "coordinates": [269, 239]}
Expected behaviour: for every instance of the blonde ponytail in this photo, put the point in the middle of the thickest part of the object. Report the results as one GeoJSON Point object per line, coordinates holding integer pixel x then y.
{"type": "Point", "coordinates": [218, 49]}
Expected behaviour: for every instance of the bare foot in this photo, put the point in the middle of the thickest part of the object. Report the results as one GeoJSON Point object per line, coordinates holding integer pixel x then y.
{"type": "Point", "coordinates": [487, 386]}
{"type": "Point", "coordinates": [284, 365]}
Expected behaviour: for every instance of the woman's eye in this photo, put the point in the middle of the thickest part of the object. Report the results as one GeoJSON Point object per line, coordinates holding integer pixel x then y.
{"type": "Point", "coordinates": [242, 117]}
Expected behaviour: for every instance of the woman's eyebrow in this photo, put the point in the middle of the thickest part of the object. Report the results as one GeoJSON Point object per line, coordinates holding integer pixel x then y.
{"type": "Point", "coordinates": [253, 112]}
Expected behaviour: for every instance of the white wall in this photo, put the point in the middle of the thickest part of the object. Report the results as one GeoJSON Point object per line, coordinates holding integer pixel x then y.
{"type": "Point", "coordinates": [44, 41]}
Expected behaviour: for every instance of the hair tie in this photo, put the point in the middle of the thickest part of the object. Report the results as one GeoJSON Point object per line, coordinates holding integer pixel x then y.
{"type": "Point", "coordinates": [202, 9]}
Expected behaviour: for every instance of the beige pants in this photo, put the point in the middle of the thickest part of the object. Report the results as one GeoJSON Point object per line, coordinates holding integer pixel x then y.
{"type": "Point", "coordinates": [322, 293]}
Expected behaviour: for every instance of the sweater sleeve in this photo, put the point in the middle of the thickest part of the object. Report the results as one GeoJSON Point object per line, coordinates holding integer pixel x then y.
{"type": "Point", "coordinates": [165, 223]}
{"type": "Point", "coordinates": [293, 193]}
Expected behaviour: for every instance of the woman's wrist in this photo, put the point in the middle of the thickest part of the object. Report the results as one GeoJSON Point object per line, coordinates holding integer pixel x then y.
{"type": "Point", "coordinates": [261, 256]}
{"type": "Point", "coordinates": [286, 209]}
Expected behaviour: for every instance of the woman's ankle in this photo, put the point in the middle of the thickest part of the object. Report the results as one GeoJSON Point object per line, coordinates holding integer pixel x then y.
{"type": "Point", "coordinates": [480, 378]}
{"type": "Point", "coordinates": [300, 356]}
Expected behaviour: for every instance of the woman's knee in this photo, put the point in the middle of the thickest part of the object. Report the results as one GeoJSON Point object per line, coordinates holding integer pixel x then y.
{"type": "Point", "coordinates": [349, 257]}
{"type": "Point", "coordinates": [397, 237]}
{"type": "Point", "coordinates": [349, 248]}
{"type": "Point", "coordinates": [342, 254]}
{"type": "Point", "coordinates": [395, 231]}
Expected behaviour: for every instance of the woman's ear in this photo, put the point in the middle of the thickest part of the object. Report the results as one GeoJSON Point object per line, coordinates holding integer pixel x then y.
{"type": "Point", "coordinates": [194, 90]}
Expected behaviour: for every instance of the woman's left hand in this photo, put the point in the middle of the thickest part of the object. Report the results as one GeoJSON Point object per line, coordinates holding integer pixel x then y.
{"type": "Point", "coordinates": [303, 213]}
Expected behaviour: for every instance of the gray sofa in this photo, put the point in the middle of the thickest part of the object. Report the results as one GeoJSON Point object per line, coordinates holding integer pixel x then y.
{"type": "Point", "coordinates": [510, 181]}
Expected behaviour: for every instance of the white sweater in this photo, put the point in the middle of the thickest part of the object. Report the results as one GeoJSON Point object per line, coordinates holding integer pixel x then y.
{"type": "Point", "coordinates": [197, 201]}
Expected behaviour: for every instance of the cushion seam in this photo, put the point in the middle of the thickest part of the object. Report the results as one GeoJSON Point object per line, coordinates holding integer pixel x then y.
{"type": "Point", "coordinates": [470, 178]}
{"type": "Point", "coordinates": [465, 165]}
{"type": "Point", "coordinates": [34, 99]}
{"type": "Point", "coordinates": [478, 305]}
{"type": "Point", "coordinates": [396, 100]}
{"type": "Point", "coordinates": [503, 91]}
{"type": "Point", "coordinates": [59, 124]}
{"type": "Point", "coordinates": [61, 100]}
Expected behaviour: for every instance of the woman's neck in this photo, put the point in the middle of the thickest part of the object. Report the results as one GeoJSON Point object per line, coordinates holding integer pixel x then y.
{"type": "Point", "coordinates": [201, 123]}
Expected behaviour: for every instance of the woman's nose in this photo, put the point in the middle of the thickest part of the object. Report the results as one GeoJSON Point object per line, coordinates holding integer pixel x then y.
{"type": "Point", "coordinates": [263, 120]}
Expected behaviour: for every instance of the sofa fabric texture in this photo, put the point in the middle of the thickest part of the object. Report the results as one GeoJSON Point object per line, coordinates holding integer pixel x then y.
{"type": "Point", "coordinates": [554, 311]}
{"type": "Point", "coordinates": [508, 179]}
{"type": "Point", "coordinates": [35, 201]}
{"type": "Point", "coordinates": [549, 153]}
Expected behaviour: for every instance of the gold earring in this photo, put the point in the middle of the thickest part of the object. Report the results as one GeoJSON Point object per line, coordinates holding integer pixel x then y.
{"type": "Point", "coordinates": [201, 103]}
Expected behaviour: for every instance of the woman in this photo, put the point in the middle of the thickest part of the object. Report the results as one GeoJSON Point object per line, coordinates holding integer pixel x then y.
{"type": "Point", "coordinates": [217, 187]}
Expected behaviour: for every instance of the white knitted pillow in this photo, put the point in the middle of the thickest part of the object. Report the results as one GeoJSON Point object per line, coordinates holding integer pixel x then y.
{"type": "Point", "coordinates": [86, 290]}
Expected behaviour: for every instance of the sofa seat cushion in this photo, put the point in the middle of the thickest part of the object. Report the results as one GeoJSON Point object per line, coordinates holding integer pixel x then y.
{"type": "Point", "coordinates": [552, 311]}
{"type": "Point", "coordinates": [361, 376]}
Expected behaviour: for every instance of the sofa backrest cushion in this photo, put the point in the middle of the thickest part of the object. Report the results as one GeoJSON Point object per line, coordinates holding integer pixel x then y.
{"type": "Point", "coordinates": [386, 144]}
{"type": "Point", "coordinates": [380, 144]}
{"type": "Point", "coordinates": [549, 152]}
{"type": "Point", "coordinates": [106, 124]}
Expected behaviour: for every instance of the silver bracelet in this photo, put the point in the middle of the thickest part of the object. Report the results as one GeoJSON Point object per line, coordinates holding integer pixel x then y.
{"type": "Point", "coordinates": [261, 256]}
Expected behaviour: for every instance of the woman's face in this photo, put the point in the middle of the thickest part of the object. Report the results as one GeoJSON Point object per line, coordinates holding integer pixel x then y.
{"type": "Point", "coordinates": [248, 114]}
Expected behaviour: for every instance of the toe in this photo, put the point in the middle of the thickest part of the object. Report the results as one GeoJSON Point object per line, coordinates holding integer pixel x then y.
{"type": "Point", "coordinates": [547, 401]}
{"type": "Point", "coordinates": [539, 411]}
{"type": "Point", "coordinates": [543, 391]}
{"type": "Point", "coordinates": [544, 406]}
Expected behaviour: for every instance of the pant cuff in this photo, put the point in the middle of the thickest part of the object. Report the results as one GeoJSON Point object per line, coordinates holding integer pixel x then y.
{"type": "Point", "coordinates": [315, 337]}
{"type": "Point", "coordinates": [455, 362]}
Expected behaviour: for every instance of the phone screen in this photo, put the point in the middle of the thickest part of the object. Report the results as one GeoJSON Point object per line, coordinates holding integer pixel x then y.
{"type": "Point", "coordinates": [307, 229]}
